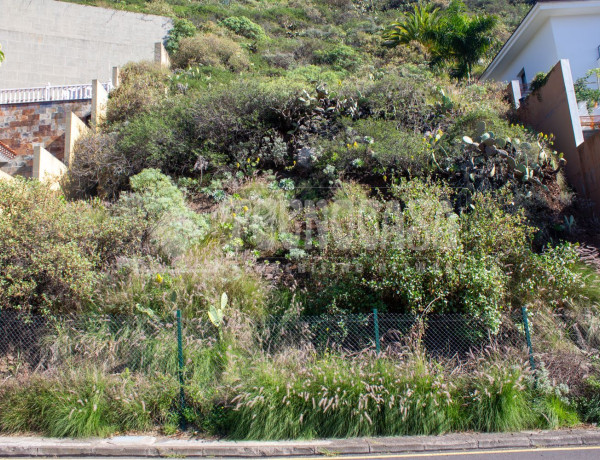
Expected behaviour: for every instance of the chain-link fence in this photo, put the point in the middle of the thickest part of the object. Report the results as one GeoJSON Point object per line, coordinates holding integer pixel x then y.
{"type": "Point", "coordinates": [445, 335]}
{"type": "Point", "coordinates": [39, 344]}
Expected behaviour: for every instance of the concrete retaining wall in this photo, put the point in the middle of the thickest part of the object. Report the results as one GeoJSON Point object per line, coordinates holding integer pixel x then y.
{"type": "Point", "coordinates": [553, 109]}
{"type": "Point", "coordinates": [47, 41]}
{"type": "Point", "coordinates": [23, 126]}
{"type": "Point", "coordinates": [47, 168]}
{"type": "Point", "coordinates": [589, 158]}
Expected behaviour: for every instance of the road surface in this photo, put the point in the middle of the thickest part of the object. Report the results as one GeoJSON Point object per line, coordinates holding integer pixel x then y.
{"type": "Point", "coordinates": [546, 453]}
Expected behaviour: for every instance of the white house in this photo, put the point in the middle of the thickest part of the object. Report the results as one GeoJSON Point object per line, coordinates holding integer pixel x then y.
{"type": "Point", "coordinates": [551, 31]}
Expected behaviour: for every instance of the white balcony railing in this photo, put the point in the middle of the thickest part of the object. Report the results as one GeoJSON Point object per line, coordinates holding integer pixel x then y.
{"type": "Point", "coordinates": [48, 93]}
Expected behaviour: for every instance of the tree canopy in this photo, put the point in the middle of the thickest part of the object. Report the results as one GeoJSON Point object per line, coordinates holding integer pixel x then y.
{"type": "Point", "coordinates": [451, 36]}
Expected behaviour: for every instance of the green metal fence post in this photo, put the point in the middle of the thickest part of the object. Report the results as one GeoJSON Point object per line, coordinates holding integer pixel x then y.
{"type": "Point", "coordinates": [180, 371]}
{"type": "Point", "coordinates": [528, 338]}
{"type": "Point", "coordinates": [376, 326]}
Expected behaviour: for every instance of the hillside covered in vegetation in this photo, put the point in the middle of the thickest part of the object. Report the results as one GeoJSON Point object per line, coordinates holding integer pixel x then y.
{"type": "Point", "coordinates": [304, 159]}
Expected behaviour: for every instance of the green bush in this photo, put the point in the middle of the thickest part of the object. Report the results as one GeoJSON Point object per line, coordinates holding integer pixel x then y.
{"type": "Point", "coordinates": [243, 26]}
{"type": "Point", "coordinates": [340, 57]}
{"type": "Point", "coordinates": [173, 227]}
{"type": "Point", "coordinates": [211, 50]}
{"type": "Point", "coordinates": [53, 252]}
{"type": "Point", "coordinates": [182, 28]}
{"type": "Point", "coordinates": [142, 87]}
{"type": "Point", "coordinates": [163, 139]}
{"type": "Point", "coordinates": [552, 277]}
{"type": "Point", "coordinates": [377, 147]}
{"type": "Point", "coordinates": [240, 123]}
{"type": "Point", "coordinates": [413, 259]}
{"type": "Point", "coordinates": [259, 219]}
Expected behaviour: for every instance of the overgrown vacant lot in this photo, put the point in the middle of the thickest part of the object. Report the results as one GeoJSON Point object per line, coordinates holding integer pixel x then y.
{"type": "Point", "coordinates": [293, 163]}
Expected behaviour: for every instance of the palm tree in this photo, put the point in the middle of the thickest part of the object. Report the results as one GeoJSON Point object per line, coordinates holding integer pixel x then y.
{"type": "Point", "coordinates": [416, 26]}
{"type": "Point", "coordinates": [451, 36]}
{"type": "Point", "coordinates": [462, 41]}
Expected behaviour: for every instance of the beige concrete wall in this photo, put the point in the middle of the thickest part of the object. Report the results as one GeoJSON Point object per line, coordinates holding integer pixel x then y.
{"type": "Point", "coordinates": [4, 176]}
{"type": "Point", "coordinates": [161, 56]}
{"type": "Point", "coordinates": [75, 129]}
{"type": "Point", "coordinates": [553, 109]}
{"type": "Point", "coordinates": [47, 168]}
{"type": "Point", "coordinates": [60, 43]}
{"type": "Point", "coordinates": [99, 102]}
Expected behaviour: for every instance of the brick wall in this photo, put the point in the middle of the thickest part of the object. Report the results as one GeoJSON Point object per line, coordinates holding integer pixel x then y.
{"type": "Point", "coordinates": [22, 126]}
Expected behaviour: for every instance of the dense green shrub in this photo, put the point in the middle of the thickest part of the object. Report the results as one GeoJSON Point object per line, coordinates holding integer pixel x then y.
{"type": "Point", "coordinates": [419, 255]}
{"type": "Point", "coordinates": [182, 28]}
{"type": "Point", "coordinates": [211, 50]}
{"type": "Point", "coordinates": [53, 251]}
{"type": "Point", "coordinates": [237, 124]}
{"type": "Point", "coordinates": [340, 57]}
{"type": "Point", "coordinates": [552, 277]}
{"type": "Point", "coordinates": [105, 161]}
{"type": "Point", "coordinates": [141, 88]}
{"type": "Point", "coordinates": [243, 26]}
{"type": "Point", "coordinates": [172, 227]}
{"type": "Point", "coordinates": [377, 147]}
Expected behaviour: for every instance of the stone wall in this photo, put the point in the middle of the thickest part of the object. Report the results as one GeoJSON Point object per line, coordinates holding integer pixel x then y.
{"type": "Point", "coordinates": [47, 41]}
{"type": "Point", "coordinates": [24, 126]}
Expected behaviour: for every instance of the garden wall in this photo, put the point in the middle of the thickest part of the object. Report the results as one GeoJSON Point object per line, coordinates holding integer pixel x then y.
{"type": "Point", "coordinates": [553, 109]}
{"type": "Point", "coordinates": [589, 158]}
{"type": "Point", "coordinates": [24, 126]}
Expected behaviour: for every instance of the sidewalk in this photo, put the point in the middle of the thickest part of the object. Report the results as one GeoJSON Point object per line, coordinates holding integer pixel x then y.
{"type": "Point", "coordinates": [151, 446]}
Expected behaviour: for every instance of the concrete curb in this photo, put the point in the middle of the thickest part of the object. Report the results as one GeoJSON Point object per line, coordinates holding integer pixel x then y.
{"type": "Point", "coordinates": [151, 446]}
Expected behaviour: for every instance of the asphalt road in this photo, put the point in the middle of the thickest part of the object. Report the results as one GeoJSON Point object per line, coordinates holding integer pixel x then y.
{"type": "Point", "coordinates": [547, 453]}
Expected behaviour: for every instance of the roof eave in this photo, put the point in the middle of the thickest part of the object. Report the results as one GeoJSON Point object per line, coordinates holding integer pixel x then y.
{"type": "Point", "coordinates": [529, 17]}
